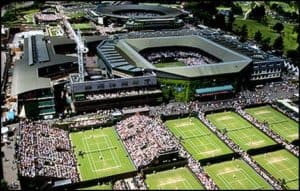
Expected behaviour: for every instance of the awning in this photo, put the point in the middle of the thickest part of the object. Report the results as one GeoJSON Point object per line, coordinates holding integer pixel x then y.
{"type": "Point", "coordinates": [214, 89]}
{"type": "Point", "coordinates": [23, 112]}
{"type": "Point", "coordinates": [4, 130]}
{"type": "Point", "coordinates": [47, 111]}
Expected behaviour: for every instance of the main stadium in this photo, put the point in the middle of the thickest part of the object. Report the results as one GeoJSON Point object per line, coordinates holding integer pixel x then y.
{"type": "Point", "coordinates": [140, 109]}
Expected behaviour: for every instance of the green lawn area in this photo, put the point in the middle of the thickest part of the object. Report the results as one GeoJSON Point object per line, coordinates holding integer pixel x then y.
{"type": "Point", "coordinates": [104, 154]}
{"type": "Point", "coordinates": [199, 141]}
{"type": "Point", "coordinates": [53, 30]}
{"type": "Point", "coordinates": [282, 165]}
{"type": "Point", "coordinates": [97, 187]}
{"type": "Point", "coordinates": [169, 64]}
{"type": "Point", "coordinates": [29, 18]}
{"type": "Point", "coordinates": [240, 131]}
{"type": "Point", "coordinates": [289, 37]}
{"type": "Point", "coordinates": [82, 26]}
{"type": "Point", "coordinates": [175, 179]}
{"type": "Point", "coordinates": [278, 122]}
{"type": "Point", "coordinates": [236, 175]}
{"type": "Point", "coordinates": [76, 15]}
{"type": "Point", "coordinates": [286, 7]}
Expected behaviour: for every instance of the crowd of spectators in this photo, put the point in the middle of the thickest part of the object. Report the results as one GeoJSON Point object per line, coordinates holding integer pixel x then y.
{"type": "Point", "coordinates": [189, 58]}
{"type": "Point", "coordinates": [145, 138]}
{"type": "Point", "coordinates": [135, 183]}
{"type": "Point", "coordinates": [45, 151]}
{"type": "Point", "coordinates": [138, 14]}
{"type": "Point", "coordinates": [122, 93]}
{"type": "Point", "coordinates": [100, 117]}
{"type": "Point", "coordinates": [197, 169]}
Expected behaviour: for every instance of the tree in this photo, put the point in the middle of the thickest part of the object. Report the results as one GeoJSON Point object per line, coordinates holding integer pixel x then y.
{"type": "Point", "coordinates": [265, 43]}
{"type": "Point", "coordinates": [298, 37]}
{"type": "Point", "coordinates": [258, 13]}
{"type": "Point", "coordinates": [4, 185]}
{"type": "Point", "coordinates": [203, 10]}
{"type": "Point", "coordinates": [230, 21]}
{"type": "Point", "coordinates": [278, 27]}
{"type": "Point", "coordinates": [258, 36]}
{"type": "Point", "coordinates": [278, 43]}
{"type": "Point", "coordinates": [220, 21]}
{"type": "Point", "coordinates": [244, 33]}
{"type": "Point", "coordinates": [236, 9]}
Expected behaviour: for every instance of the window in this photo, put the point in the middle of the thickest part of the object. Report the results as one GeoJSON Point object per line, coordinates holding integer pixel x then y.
{"type": "Point", "coordinates": [88, 87]}
{"type": "Point", "coordinates": [112, 85]}
{"type": "Point", "coordinates": [100, 86]}
{"type": "Point", "coordinates": [124, 83]}
{"type": "Point", "coordinates": [135, 82]}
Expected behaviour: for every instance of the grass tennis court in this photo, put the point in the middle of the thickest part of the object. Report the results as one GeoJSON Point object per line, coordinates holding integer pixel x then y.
{"type": "Point", "coordinates": [240, 131]}
{"type": "Point", "coordinates": [278, 122]}
{"type": "Point", "coordinates": [180, 178]}
{"type": "Point", "coordinates": [169, 64]}
{"type": "Point", "coordinates": [236, 174]}
{"type": "Point", "coordinates": [82, 26]}
{"type": "Point", "coordinates": [97, 187]}
{"type": "Point", "coordinates": [104, 154]}
{"type": "Point", "coordinates": [282, 165]}
{"type": "Point", "coordinates": [199, 141]}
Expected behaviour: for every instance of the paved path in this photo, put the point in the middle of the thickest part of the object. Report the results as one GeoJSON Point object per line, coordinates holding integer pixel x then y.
{"type": "Point", "coordinates": [10, 171]}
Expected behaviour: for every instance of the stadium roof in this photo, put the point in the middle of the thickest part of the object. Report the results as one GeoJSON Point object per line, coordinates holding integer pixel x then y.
{"type": "Point", "coordinates": [25, 76]}
{"type": "Point", "coordinates": [232, 62]}
{"type": "Point", "coordinates": [112, 11]}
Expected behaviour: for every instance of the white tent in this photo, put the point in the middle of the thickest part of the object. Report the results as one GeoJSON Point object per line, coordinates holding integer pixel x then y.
{"type": "Point", "coordinates": [22, 113]}
{"type": "Point", "coordinates": [4, 130]}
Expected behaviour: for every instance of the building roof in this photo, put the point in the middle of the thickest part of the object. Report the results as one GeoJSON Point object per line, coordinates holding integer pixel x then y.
{"type": "Point", "coordinates": [231, 62]}
{"type": "Point", "coordinates": [25, 76]}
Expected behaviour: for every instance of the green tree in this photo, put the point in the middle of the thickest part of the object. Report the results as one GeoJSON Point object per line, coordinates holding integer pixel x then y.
{"type": "Point", "coordinates": [278, 43]}
{"type": "Point", "coordinates": [4, 185]}
{"type": "Point", "coordinates": [236, 9]}
{"type": "Point", "coordinates": [230, 21]}
{"type": "Point", "coordinates": [258, 13]}
{"type": "Point", "coordinates": [278, 27]}
{"type": "Point", "coordinates": [244, 33]}
{"type": "Point", "coordinates": [220, 21]}
{"type": "Point", "coordinates": [265, 43]}
{"type": "Point", "coordinates": [258, 36]}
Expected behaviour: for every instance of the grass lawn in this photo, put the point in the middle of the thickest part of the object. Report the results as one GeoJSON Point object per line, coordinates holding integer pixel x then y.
{"type": "Point", "coordinates": [282, 165]}
{"type": "Point", "coordinates": [82, 26]}
{"type": "Point", "coordinates": [175, 179]}
{"type": "Point", "coordinates": [199, 141]}
{"type": "Point", "coordinates": [29, 18]}
{"type": "Point", "coordinates": [97, 187]}
{"type": "Point", "coordinates": [236, 175]}
{"type": "Point", "coordinates": [104, 154]}
{"type": "Point", "coordinates": [289, 37]}
{"type": "Point", "coordinates": [169, 64]}
{"type": "Point", "coordinates": [240, 130]}
{"type": "Point", "coordinates": [278, 122]}
{"type": "Point", "coordinates": [76, 15]}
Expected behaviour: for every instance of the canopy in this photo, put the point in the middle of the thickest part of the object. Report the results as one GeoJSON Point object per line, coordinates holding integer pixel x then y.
{"type": "Point", "coordinates": [214, 89]}
{"type": "Point", "coordinates": [4, 130]}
